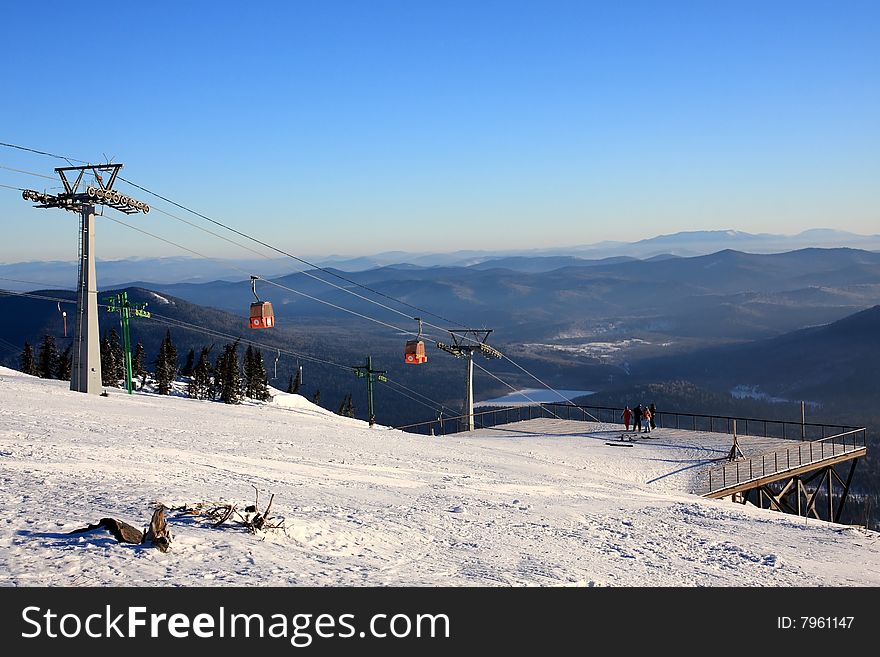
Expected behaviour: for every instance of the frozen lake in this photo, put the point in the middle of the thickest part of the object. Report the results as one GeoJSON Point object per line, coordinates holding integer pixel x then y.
{"type": "Point", "coordinates": [534, 395]}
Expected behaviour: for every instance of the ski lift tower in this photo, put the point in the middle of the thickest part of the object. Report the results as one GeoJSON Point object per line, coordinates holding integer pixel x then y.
{"type": "Point", "coordinates": [86, 371]}
{"type": "Point", "coordinates": [459, 349]}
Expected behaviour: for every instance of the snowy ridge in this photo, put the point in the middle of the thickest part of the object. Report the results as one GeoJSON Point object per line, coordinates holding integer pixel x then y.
{"type": "Point", "coordinates": [375, 506]}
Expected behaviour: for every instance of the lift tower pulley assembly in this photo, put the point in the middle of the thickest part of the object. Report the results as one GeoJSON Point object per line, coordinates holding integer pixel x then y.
{"type": "Point", "coordinates": [460, 349]}
{"type": "Point", "coordinates": [86, 371]}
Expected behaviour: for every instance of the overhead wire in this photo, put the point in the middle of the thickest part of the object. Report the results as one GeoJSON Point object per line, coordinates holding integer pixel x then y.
{"type": "Point", "coordinates": [171, 321]}
{"type": "Point", "coordinates": [177, 323]}
{"type": "Point", "coordinates": [214, 333]}
{"type": "Point", "coordinates": [269, 246]}
{"type": "Point", "coordinates": [434, 404]}
{"type": "Point", "coordinates": [329, 283]}
{"type": "Point", "coordinates": [45, 285]}
{"type": "Point", "coordinates": [29, 173]}
{"type": "Point", "coordinates": [33, 150]}
{"type": "Point", "coordinates": [266, 280]}
{"type": "Point", "coordinates": [289, 255]}
{"type": "Point", "coordinates": [9, 344]}
{"type": "Point", "coordinates": [311, 297]}
{"type": "Point", "coordinates": [303, 271]}
{"type": "Point", "coordinates": [198, 214]}
{"type": "Point", "coordinates": [433, 407]}
{"type": "Point", "coordinates": [299, 259]}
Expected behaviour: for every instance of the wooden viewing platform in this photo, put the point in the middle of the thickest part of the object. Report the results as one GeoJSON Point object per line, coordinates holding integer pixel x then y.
{"type": "Point", "coordinates": [788, 467]}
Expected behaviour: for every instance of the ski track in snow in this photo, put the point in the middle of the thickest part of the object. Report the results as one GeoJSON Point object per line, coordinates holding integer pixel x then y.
{"type": "Point", "coordinates": [375, 506]}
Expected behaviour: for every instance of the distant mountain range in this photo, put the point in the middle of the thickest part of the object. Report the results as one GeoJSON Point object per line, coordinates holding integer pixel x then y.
{"type": "Point", "coordinates": [682, 244]}
{"type": "Point", "coordinates": [24, 275]}
{"type": "Point", "coordinates": [724, 320]}
{"type": "Point", "coordinates": [688, 302]}
{"type": "Point", "coordinates": [835, 364]}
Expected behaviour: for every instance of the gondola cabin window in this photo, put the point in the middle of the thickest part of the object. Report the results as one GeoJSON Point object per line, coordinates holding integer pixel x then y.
{"type": "Point", "coordinates": [414, 353]}
{"type": "Point", "coordinates": [262, 316]}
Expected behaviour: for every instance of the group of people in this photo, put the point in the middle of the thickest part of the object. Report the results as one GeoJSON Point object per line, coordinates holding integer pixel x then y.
{"type": "Point", "coordinates": [638, 416]}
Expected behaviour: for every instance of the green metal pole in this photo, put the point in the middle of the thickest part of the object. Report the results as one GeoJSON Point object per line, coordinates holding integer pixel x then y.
{"type": "Point", "coordinates": [125, 311]}
{"type": "Point", "coordinates": [372, 417]}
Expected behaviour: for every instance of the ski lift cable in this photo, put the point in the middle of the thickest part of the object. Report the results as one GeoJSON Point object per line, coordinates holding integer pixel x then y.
{"type": "Point", "coordinates": [219, 334]}
{"type": "Point", "coordinates": [586, 414]}
{"type": "Point", "coordinates": [29, 173]}
{"type": "Point", "coordinates": [556, 392]}
{"type": "Point", "coordinates": [262, 278]}
{"type": "Point", "coordinates": [44, 285]}
{"type": "Point", "coordinates": [42, 297]}
{"type": "Point", "coordinates": [433, 407]}
{"type": "Point", "coordinates": [290, 255]}
{"type": "Point", "coordinates": [269, 246]}
{"type": "Point", "coordinates": [206, 230]}
{"type": "Point", "coordinates": [170, 321]}
{"type": "Point", "coordinates": [9, 344]}
{"type": "Point", "coordinates": [519, 392]}
{"type": "Point", "coordinates": [344, 289]}
{"type": "Point", "coordinates": [33, 150]}
{"type": "Point", "coordinates": [301, 271]}
{"type": "Point", "coordinates": [287, 352]}
{"type": "Point", "coordinates": [313, 298]}
{"type": "Point", "coordinates": [436, 404]}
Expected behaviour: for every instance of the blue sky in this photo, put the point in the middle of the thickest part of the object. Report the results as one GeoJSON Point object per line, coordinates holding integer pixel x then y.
{"type": "Point", "coordinates": [356, 128]}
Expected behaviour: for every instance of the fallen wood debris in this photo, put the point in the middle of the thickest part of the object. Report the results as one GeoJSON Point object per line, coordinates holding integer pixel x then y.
{"type": "Point", "coordinates": [157, 534]}
{"type": "Point", "coordinates": [220, 513]}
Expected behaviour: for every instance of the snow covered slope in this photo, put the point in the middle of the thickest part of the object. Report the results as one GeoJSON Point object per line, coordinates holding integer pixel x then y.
{"type": "Point", "coordinates": [373, 506]}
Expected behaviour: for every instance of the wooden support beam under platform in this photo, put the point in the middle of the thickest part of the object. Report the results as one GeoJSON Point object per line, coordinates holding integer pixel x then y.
{"type": "Point", "coordinates": [813, 469]}
{"type": "Point", "coordinates": [806, 490]}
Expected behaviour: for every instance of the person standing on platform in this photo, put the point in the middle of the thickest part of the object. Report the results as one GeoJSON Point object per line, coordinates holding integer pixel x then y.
{"type": "Point", "coordinates": [637, 418]}
{"type": "Point", "coordinates": [627, 416]}
{"type": "Point", "coordinates": [653, 410]}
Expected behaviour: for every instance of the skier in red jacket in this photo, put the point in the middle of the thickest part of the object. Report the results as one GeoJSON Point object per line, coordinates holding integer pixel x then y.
{"type": "Point", "coordinates": [627, 416]}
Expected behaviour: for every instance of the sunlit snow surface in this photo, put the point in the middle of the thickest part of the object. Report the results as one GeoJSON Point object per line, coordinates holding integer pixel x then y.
{"type": "Point", "coordinates": [364, 506]}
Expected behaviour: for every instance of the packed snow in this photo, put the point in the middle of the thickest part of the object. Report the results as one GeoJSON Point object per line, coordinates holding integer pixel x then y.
{"type": "Point", "coordinates": [376, 506]}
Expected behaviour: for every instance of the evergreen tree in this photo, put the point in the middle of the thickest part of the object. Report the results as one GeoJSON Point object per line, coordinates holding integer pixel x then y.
{"type": "Point", "coordinates": [248, 371]}
{"type": "Point", "coordinates": [166, 365]}
{"type": "Point", "coordinates": [346, 408]}
{"type": "Point", "coordinates": [200, 385]}
{"type": "Point", "coordinates": [297, 383]}
{"type": "Point", "coordinates": [227, 378]}
{"type": "Point", "coordinates": [47, 362]}
{"type": "Point", "coordinates": [290, 384]}
{"type": "Point", "coordinates": [28, 364]}
{"type": "Point", "coordinates": [112, 359]}
{"type": "Point", "coordinates": [108, 363]}
{"type": "Point", "coordinates": [316, 398]}
{"type": "Point", "coordinates": [188, 366]}
{"type": "Point", "coordinates": [118, 356]}
{"type": "Point", "coordinates": [137, 361]}
{"type": "Point", "coordinates": [255, 376]}
{"type": "Point", "coordinates": [65, 363]}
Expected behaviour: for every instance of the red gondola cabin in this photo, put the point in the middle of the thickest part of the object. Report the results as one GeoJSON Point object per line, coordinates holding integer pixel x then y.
{"type": "Point", "coordinates": [262, 316]}
{"type": "Point", "coordinates": [415, 352]}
